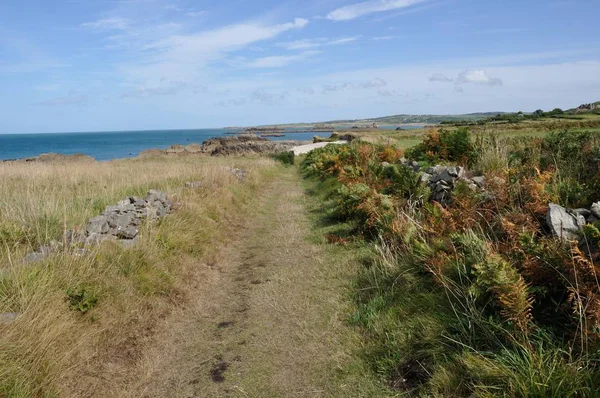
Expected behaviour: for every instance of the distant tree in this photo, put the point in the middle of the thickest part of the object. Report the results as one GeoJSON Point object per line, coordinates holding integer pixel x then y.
{"type": "Point", "coordinates": [557, 111]}
{"type": "Point", "coordinates": [539, 113]}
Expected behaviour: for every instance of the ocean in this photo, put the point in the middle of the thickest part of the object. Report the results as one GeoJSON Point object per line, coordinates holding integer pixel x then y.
{"type": "Point", "coordinates": [111, 145]}
{"type": "Point", "coordinates": [115, 145]}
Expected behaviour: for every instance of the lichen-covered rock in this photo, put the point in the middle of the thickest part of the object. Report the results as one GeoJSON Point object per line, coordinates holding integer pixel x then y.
{"type": "Point", "coordinates": [562, 224]}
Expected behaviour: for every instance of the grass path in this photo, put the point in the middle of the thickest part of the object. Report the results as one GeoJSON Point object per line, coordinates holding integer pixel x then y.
{"type": "Point", "coordinates": [269, 315]}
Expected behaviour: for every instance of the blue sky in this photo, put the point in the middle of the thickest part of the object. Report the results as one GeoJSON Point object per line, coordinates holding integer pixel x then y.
{"type": "Point", "coordinates": [96, 65]}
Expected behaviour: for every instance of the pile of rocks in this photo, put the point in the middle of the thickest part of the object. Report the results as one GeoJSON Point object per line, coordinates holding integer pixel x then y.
{"type": "Point", "coordinates": [442, 181]}
{"type": "Point", "coordinates": [567, 224]}
{"type": "Point", "coordinates": [119, 223]}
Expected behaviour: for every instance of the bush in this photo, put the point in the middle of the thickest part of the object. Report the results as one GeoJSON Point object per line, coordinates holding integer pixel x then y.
{"type": "Point", "coordinates": [82, 299]}
{"type": "Point", "coordinates": [285, 157]}
{"type": "Point", "coordinates": [450, 145]}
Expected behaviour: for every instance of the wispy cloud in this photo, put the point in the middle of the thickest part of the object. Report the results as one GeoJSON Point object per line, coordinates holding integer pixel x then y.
{"type": "Point", "coordinates": [440, 77]}
{"type": "Point", "coordinates": [278, 61]}
{"type": "Point", "coordinates": [319, 42]}
{"type": "Point", "coordinates": [356, 10]}
{"type": "Point", "coordinates": [374, 83]}
{"type": "Point", "coordinates": [186, 56]}
{"type": "Point", "coordinates": [115, 23]}
{"type": "Point", "coordinates": [470, 76]}
{"type": "Point", "coordinates": [477, 76]}
{"type": "Point", "coordinates": [379, 38]}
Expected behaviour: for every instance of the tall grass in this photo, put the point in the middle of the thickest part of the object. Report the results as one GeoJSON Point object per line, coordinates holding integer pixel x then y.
{"type": "Point", "coordinates": [82, 318]}
{"type": "Point", "coordinates": [475, 297]}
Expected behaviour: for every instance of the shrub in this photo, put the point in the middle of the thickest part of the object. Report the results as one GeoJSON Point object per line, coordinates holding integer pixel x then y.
{"type": "Point", "coordinates": [450, 145]}
{"type": "Point", "coordinates": [82, 299]}
{"type": "Point", "coordinates": [285, 157]}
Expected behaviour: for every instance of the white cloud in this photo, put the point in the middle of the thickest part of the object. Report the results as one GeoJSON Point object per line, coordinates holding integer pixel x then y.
{"type": "Point", "coordinates": [278, 61]}
{"type": "Point", "coordinates": [186, 56]}
{"type": "Point", "coordinates": [378, 38]}
{"type": "Point", "coordinates": [440, 77]}
{"type": "Point", "coordinates": [477, 76]}
{"type": "Point", "coordinates": [228, 37]}
{"type": "Point", "coordinates": [373, 83]}
{"type": "Point", "coordinates": [474, 76]}
{"type": "Point", "coordinates": [315, 43]}
{"type": "Point", "coordinates": [368, 7]}
{"type": "Point", "coordinates": [115, 23]}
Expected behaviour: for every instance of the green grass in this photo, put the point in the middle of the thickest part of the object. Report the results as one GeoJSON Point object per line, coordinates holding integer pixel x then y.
{"type": "Point", "coordinates": [432, 308]}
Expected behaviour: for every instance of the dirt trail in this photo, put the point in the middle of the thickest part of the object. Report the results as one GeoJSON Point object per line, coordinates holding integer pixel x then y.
{"type": "Point", "coordinates": [267, 320]}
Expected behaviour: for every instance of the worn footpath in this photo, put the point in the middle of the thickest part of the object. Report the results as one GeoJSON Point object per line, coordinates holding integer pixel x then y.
{"type": "Point", "coordinates": [268, 319]}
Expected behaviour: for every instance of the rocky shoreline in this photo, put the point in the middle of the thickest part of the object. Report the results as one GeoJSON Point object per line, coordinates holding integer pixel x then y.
{"type": "Point", "coordinates": [242, 144]}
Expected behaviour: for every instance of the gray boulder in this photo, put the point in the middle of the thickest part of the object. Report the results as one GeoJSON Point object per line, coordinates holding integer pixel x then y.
{"type": "Point", "coordinates": [96, 239]}
{"type": "Point", "coordinates": [127, 233]}
{"type": "Point", "coordinates": [595, 209]}
{"type": "Point", "coordinates": [73, 238]}
{"type": "Point", "coordinates": [479, 181]}
{"type": "Point", "coordinates": [447, 175]}
{"type": "Point", "coordinates": [97, 225]}
{"type": "Point", "coordinates": [154, 195]}
{"type": "Point", "coordinates": [128, 243]}
{"type": "Point", "coordinates": [585, 213]}
{"type": "Point", "coordinates": [425, 178]}
{"type": "Point", "coordinates": [564, 225]}
{"type": "Point", "coordinates": [120, 221]}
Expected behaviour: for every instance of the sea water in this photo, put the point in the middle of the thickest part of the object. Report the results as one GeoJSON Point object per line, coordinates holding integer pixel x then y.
{"type": "Point", "coordinates": [122, 144]}
{"type": "Point", "coordinates": [111, 145]}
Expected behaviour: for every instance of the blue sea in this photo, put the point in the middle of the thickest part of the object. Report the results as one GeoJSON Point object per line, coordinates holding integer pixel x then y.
{"type": "Point", "coordinates": [111, 145]}
{"type": "Point", "coordinates": [114, 145]}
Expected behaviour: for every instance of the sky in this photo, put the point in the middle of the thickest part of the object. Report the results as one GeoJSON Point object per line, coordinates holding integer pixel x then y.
{"type": "Point", "coordinates": [105, 65]}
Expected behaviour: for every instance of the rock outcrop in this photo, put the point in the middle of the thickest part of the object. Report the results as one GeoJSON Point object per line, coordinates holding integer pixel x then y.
{"type": "Point", "coordinates": [245, 144]}
{"type": "Point", "coordinates": [242, 144]}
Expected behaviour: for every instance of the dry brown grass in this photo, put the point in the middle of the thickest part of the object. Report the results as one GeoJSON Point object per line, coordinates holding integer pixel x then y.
{"type": "Point", "coordinates": [52, 350]}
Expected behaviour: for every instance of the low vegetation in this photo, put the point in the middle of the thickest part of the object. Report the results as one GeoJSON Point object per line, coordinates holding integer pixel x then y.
{"type": "Point", "coordinates": [475, 296]}
{"type": "Point", "coordinates": [85, 314]}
